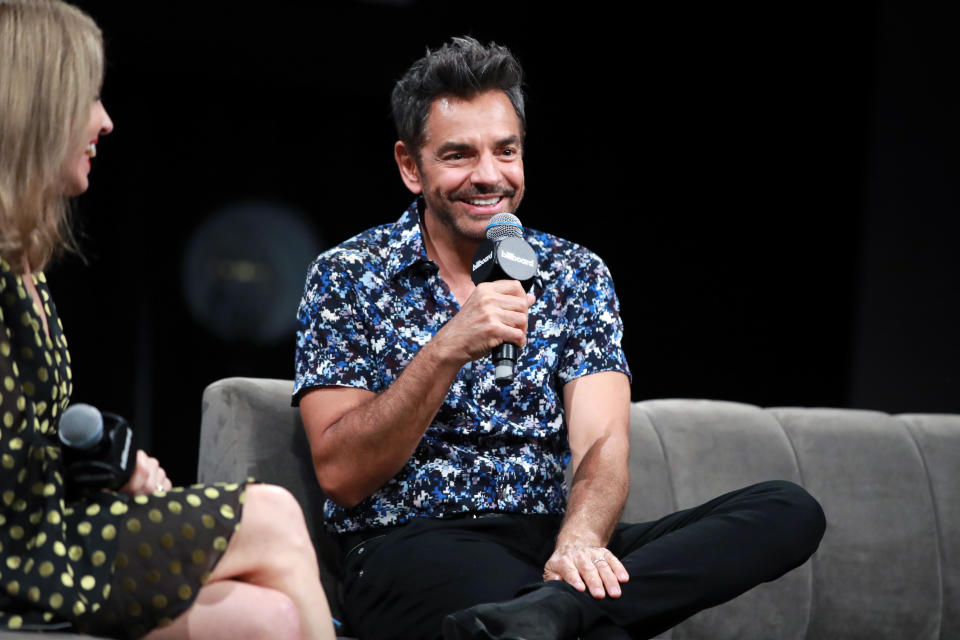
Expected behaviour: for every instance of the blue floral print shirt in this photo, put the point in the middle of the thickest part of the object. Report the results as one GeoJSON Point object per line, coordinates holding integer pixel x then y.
{"type": "Point", "coordinates": [368, 307]}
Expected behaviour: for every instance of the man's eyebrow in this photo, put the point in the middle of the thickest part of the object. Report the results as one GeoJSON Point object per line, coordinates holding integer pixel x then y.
{"type": "Point", "coordinates": [447, 147]}
{"type": "Point", "coordinates": [451, 146]}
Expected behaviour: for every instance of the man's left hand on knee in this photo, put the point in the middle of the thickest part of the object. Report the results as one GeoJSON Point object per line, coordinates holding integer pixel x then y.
{"type": "Point", "coordinates": [587, 568]}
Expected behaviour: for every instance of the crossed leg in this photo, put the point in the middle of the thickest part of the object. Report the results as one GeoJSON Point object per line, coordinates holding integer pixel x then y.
{"type": "Point", "coordinates": [678, 565]}
{"type": "Point", "coordinates": [266, 584]}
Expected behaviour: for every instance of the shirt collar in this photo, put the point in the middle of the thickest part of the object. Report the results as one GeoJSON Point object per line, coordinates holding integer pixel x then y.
{"type": "Point", "coordinates": [407, 249]}
{"type": "Point", "coordinates": [406, 242]}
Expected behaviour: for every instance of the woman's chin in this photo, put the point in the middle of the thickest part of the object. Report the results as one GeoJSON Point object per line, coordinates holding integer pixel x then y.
{"type": "Point", "coordinates": [76, 186]}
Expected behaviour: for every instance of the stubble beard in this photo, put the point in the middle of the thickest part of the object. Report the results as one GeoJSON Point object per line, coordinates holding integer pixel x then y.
{"type": "Point", "coordinates": [442, 208]}
{"type": "Point", "coordinates": [448, 220]}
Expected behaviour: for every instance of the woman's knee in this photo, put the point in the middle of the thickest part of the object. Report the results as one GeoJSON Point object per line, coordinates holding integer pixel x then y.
{"type": "Point", "coordinates": [240, 611]}
{"type": "Point", "coordinates": [274, 509]}
{"type": "Point", "coordinates": [235, 610]}
{"type": "Point", "coordinates": [272, 514]}
{"type": "Point", "coordinates": [277, 617]}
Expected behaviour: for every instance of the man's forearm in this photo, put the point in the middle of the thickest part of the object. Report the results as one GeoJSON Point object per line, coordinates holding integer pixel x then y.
{"type": "Point", "coordinates": [371, 442]}
{"type": "Point", "coordinates": [597, 495]}
{"type": "Point", "coordinates": [598, 419]}
{"type": "Point", "coordinates": [596, 499]}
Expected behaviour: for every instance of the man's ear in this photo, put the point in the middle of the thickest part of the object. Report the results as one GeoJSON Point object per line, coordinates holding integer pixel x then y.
{"type": "Point", "coordinates": [407, 163]}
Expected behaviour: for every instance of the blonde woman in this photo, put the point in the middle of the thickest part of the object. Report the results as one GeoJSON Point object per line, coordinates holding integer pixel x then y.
{"type": "Point", "coordinates": [150, 560]}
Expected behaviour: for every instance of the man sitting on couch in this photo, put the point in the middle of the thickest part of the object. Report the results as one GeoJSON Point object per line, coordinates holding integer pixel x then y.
{"type": "Point", "coordinates": [446, 489]}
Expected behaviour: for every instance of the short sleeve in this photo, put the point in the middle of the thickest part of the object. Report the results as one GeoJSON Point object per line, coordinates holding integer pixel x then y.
{"type": "Point", "coordinates": [596, 330]}
{"type": "Point", "coordinates": [333, 346]}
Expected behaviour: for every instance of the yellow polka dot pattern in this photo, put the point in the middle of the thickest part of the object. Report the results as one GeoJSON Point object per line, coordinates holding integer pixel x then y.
{"type": "Point", "coordinates": [42, 556]}
{"type": "Point", "coordinates": [114, 565]}
{"type": "Point", "coordinates": [169, 545]}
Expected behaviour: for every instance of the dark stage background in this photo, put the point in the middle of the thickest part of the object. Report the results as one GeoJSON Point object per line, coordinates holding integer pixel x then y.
{"type": "Point", "coordinates": [773, 189]}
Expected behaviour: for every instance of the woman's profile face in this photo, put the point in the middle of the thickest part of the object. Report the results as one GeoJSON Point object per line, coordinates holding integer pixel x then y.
{"type": "Point", "coordinates": [75, 172]}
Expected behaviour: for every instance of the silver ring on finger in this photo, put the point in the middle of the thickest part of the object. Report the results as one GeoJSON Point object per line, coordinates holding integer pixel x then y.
{"type": "Point", "coordinates": [599, 560]}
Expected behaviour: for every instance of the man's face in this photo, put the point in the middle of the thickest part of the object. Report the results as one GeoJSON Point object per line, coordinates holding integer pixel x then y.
{"type": "Point", "coordinates": [471, 162]}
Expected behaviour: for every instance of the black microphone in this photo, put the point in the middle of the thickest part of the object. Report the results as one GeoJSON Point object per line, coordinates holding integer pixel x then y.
{"type": "Point", "coordinates": [504, 255]}
{"type": "Point", "coordinates": [97, 449]}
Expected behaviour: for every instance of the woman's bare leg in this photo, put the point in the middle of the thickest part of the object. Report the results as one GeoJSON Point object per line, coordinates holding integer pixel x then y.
{"type": "Point", "coordinates": [272, 551]}
{"type": "Point", "coordinates": [233, 610]}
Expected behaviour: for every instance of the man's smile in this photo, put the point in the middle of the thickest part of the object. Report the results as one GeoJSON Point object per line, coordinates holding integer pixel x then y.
{"type": "Point", "coordinates": [484, 202]}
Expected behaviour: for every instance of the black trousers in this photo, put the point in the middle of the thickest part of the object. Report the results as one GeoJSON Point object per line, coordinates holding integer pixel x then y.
{"type": "Point", "coordinates": [401, 584]}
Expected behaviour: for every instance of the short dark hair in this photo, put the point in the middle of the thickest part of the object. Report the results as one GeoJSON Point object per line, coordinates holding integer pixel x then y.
{"type": "Point", "coordinates": [462, 67]}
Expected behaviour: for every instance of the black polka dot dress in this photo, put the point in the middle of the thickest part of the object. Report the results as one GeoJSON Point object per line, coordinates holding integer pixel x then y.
{"type": "Point", "coordinates": [109, 564]}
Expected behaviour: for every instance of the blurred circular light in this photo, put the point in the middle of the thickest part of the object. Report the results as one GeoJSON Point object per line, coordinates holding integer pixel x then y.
{"type": "Point", "coordinates": [244, 269]}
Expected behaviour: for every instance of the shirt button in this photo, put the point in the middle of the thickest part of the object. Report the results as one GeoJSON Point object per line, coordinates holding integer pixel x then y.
{"type": "Point", "coordinates": [360, 551]}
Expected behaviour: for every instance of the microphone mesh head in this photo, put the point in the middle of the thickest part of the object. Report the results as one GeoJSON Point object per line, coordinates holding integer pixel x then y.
{"type": "Point", "coordinates": [504, 225]}
{"type": "Point", "coordinates": [81, 426]}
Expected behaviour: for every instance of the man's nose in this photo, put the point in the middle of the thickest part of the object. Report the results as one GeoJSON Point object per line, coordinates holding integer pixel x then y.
{"type": "Point", "coordinates": [486, 170]}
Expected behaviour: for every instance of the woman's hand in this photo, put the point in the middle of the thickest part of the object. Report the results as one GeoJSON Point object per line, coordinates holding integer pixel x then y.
{"type": "Point", "coordinates": [148, 477]}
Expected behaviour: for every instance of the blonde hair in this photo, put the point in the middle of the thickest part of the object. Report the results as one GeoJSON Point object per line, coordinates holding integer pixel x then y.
{"type": "Point", "coordinates": [51, 70]}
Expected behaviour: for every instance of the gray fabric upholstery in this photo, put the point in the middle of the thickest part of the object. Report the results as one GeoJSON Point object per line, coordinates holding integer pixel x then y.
{"type": "Point", "coordinates": [889, 564]}
{"type": "Point", "coordinates": [249, 430]}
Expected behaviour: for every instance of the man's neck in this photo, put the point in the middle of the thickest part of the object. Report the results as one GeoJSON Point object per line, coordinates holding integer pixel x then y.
{"type": "Point", "coordinates": [452, 253]}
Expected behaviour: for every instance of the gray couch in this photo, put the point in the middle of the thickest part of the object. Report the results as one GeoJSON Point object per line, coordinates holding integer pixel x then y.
{"type": "Point", "coordinates": [889, 564]}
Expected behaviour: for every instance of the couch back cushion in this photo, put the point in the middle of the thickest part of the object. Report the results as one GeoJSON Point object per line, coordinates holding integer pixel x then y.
{"type": "Point", "coordinates": [888, 566]}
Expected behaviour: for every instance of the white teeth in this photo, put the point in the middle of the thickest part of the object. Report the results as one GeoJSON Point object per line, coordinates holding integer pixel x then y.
{"type": "Point", "coordinates": [91, 150]}
{"type": "Point", "coordinates": [483, 203]}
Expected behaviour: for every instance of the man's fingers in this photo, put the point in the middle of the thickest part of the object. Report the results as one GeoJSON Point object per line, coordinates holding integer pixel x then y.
{"type": "Point", "coordinates": [512, 299]}
{"type": "Point", "coordinates": [572, 576]}
{"type": "Point", "coordinates": [564, 569]}
{"type": "Point", "coordinates": [516, 303]}
{"type": "Point", "coordinates": [550, 575]}
{"type": "Point", "coordinates": [516, 319]}
{"type": "Point", "coordinates": [617, 567]}
{"type": "Point", "coordinates": [610, 583]}
{"type": "Point", "coordinates": [516, 327]}
{"type": "Point", "coordinates": [589, 570]}
{"type": "Point", "coordinates": [512, 287]}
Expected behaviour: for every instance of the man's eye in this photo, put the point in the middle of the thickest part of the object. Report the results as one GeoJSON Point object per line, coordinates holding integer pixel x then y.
{"type": "Point", "coordinates": [455, 156]}
{"type": "Point", "coordinates": [509, 151]}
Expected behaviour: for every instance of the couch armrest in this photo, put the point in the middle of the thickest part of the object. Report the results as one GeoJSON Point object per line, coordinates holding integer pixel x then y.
{"type": "Point", "coordinates": [249, 429]}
